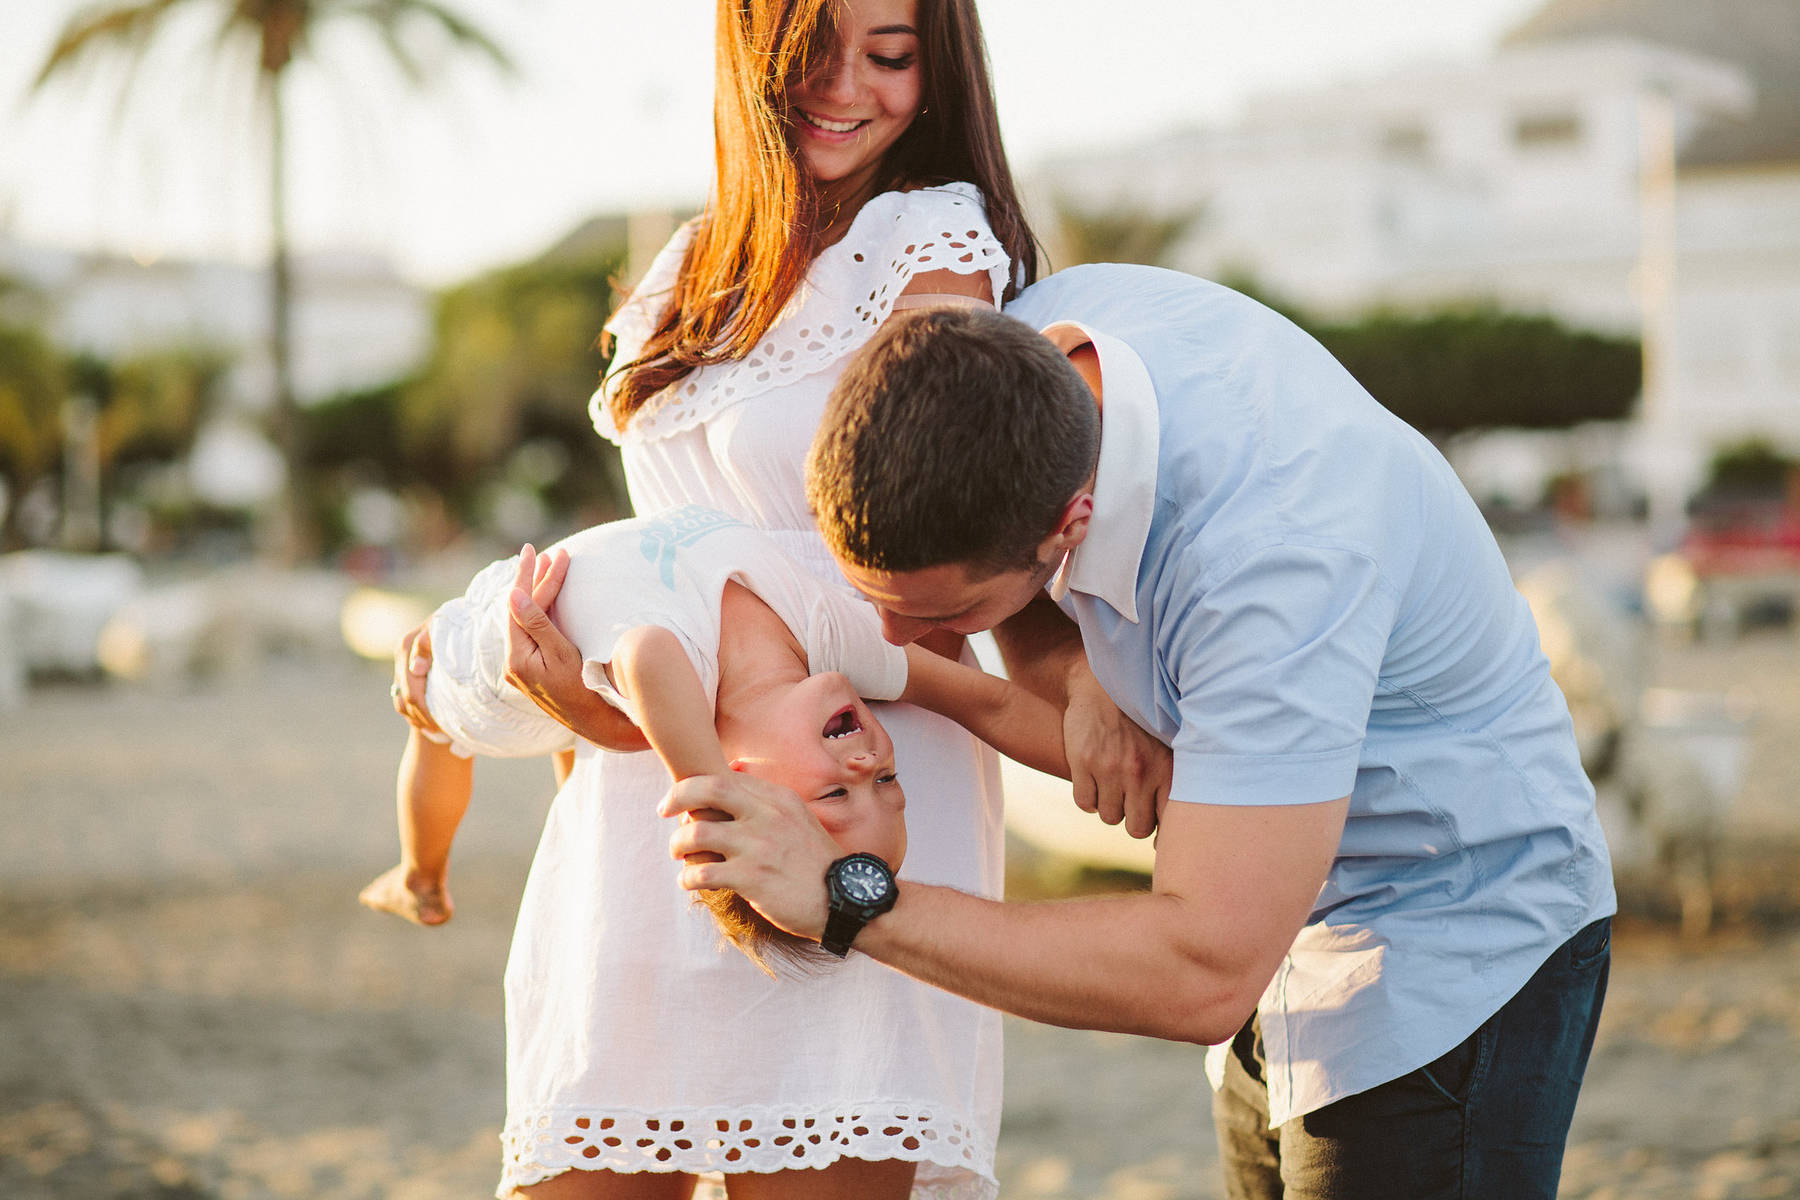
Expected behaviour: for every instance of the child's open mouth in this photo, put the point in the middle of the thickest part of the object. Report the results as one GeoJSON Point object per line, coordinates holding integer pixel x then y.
{"type": "Point", "coordinates": [843, 723]}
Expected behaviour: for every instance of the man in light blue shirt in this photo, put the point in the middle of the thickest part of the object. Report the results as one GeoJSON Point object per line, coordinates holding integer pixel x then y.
{"type": "Point", "coordinates": [1380, 887]}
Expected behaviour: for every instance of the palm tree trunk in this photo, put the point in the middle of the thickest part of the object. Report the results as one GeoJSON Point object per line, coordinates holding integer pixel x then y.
{"type": "Point", "coordinates": [293, 540]}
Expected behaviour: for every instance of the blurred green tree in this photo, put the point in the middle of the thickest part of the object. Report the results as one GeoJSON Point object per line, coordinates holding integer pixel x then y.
{"type": "Point", "coordinates": [146, 411]}
{"type": "Point", "coordinates": [31, 392]}
{"type": "Point", "coordinates": [515, 360]}
{"type": "Point", "coordinates": [1480, 368]}
{"type": "Point", "coordinates": [150, 405]}
{"type": "Point", "coordinates": [502, 400]}
{"type": "Point", "coordinates": [1459, 369]}
{"type": "Point", "coordinates": [1118, 232]}
{"type": "Point", "coordinates": [277, 32]}
{"type": "Point", "coordinates": [1751, 469]}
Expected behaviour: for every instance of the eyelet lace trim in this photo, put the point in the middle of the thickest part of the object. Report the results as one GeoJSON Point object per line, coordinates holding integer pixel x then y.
{"type": "Point", "coordinates": [549, 1142]}
{"type": "Point", "coordinates": [848, 292]}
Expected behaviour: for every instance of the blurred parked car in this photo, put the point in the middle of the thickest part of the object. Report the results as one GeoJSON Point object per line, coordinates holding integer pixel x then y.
{"type": "Point", "coordinates": [1738, 565]}
{"type": "Point", "coordinates": [229, 620]}
{"type": "Point", "coordinates": [53, 606]}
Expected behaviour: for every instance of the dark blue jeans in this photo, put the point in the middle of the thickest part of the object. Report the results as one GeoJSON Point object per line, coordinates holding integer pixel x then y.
{"type": "Point", "coordinates": [1487, 1121]}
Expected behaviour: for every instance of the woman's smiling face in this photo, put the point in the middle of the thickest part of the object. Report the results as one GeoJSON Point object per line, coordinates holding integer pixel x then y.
{"type": "Point", "coordinates": [847, 113]}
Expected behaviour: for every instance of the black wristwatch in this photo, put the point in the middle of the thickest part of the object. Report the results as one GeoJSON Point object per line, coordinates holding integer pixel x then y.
{"type": "Point", "coordinates": [858, 888]}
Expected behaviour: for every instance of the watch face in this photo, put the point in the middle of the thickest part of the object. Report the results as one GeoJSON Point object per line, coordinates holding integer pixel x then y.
{"type": "Point", "coordinates": [863, 881]}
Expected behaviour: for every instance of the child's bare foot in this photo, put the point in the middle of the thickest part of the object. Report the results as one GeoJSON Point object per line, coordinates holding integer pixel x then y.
{"type": "Point", "coordinates": [421, 901]}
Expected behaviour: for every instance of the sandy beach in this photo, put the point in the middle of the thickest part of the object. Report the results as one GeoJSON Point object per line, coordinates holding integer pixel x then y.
{"type": "Point", "coordinates": [194, 1006]}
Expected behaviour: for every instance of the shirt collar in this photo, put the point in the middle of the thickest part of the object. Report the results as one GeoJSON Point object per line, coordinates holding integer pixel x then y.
{"type": "Point", "coordinates": [1105, 564]}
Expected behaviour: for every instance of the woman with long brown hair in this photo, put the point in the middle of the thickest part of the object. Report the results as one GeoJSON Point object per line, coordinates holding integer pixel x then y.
{"type": "Point", "coordinates": [859, 169]}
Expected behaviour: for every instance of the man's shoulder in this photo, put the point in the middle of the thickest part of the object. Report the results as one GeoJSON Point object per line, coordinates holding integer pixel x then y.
{"type": "Point", "coordinates": [1150, 308]}
{"type": "Point", "coordinates": [1083, 288]}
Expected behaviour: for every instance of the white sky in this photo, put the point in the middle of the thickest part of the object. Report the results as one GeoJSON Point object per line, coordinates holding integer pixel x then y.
{"type": "Point", "coordinates": [611, 108]}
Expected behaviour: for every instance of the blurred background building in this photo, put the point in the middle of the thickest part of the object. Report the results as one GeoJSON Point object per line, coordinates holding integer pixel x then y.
{"type": "Point", "coordinates": [1538, 179]}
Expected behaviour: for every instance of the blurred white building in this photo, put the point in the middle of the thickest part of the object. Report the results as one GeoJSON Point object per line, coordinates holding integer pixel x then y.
{"type": "Point", "coordinates": [357, 323]}
{"type": "Point", "coordinates": [1532, 180]}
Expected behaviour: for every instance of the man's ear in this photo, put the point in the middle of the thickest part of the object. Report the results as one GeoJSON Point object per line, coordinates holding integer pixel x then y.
{"type": "Point", "coordinates": [1071, 528]}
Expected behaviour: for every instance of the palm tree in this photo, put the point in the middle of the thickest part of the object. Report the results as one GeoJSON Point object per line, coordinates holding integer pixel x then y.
{"type": "Point", "coordinates": [278, 32]}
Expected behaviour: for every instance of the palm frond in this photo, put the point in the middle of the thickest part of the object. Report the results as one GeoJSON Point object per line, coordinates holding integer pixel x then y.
{"type": "Point", "coordinates": [130, 27]}
{"type": "Point", "coordinates": [402, 54]}
{"type": "Point", "coordinates": [389, 15]}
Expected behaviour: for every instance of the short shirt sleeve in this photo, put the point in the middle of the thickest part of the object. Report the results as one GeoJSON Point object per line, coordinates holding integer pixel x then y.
{"type": "Point", "coordinates": [1275, 666]}
{"type": "Point", "coordinates": [844, 635]}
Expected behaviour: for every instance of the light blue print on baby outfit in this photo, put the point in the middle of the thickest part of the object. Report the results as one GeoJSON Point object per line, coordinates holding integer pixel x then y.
{"type": "Point", "coordinates": [663, 535]}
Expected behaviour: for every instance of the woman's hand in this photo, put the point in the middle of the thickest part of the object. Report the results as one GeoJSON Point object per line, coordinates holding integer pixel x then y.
{"type": "Point", "coordinates": [412, 662]}
{"type": "Point", "coordinates": [1119, 771]}
{"type": "Point", "coordinates": [546, 666]}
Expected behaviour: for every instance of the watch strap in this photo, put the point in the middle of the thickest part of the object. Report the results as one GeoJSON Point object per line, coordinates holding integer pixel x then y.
{"type": "Point", "coordinates": [841, 928]}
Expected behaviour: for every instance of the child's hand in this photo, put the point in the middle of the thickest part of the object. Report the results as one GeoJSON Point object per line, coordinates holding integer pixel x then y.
{"type": "Point", "coordinates": [412, 662]}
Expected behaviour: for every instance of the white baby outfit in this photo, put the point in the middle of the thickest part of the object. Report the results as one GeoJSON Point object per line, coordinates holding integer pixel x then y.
{"type": "Point", "coordinates": [633, 1042]}
{"type": "Point", "coordinates": [670, 571]}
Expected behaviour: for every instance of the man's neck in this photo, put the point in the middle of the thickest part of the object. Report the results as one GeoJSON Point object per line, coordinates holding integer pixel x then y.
{"type": "Point", "coordinates": [1086, 361]}
{"type": "Point", "coordinates": [1079, 349]}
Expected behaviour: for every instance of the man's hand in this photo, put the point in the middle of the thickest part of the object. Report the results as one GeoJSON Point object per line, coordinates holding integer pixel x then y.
{"type": "Point", "coordinates": [772, 850]}
{"type": "Point", "coordinates": [1118, 771]}
{"type": "Point", "coordinates": [546, 666]}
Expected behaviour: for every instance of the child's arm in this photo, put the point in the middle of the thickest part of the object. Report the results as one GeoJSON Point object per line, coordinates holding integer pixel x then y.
{"type": "Point", "coordinates": [1024, 727]}
{"type": "Point", "coordinates": [649, 666]}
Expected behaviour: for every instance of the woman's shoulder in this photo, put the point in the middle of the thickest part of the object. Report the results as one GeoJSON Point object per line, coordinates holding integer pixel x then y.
{"type": "Point", "coordinates": [907, 232]}
{"type": "Point", "coordinates": [850, 289]}
{"type": "Point", "coordinates": [959, 207]}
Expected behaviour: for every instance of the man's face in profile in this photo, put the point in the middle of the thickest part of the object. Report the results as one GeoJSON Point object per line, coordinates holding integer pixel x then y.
{"type": "Point", "coordinates": [913, 603]}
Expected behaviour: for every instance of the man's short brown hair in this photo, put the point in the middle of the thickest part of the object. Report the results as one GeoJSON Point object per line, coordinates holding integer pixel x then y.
{"type": "Point", "coordinates": [957, 435]}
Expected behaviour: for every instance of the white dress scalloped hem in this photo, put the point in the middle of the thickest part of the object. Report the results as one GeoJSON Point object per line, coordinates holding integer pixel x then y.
{"type": "Point", "coordinates": [953, 1165]}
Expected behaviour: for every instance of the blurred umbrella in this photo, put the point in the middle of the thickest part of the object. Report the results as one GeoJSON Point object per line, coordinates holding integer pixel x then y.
{"type": "Point", "coordinates": [277, 32]}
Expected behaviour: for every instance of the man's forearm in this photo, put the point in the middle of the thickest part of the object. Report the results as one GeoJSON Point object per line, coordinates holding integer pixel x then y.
{"type": "Point", "coordinates": [1128, 964]}
{"type": "Point", "coordinates": [1233, 886]}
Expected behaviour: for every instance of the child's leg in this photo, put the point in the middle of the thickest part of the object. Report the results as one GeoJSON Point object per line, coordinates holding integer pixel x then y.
{"type": "Point", "coordinates": [609, 1185]}
{"type": "Point", "coordinates": [431, 796]}
{"type": "Point", "coordinates": [845, 1179]}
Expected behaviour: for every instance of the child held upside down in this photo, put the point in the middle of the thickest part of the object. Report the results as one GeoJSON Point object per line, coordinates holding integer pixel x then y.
{"type": "Point", "coordinates": [726, 656]}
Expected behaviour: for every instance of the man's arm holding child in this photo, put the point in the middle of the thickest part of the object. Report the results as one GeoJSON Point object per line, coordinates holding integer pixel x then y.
{"type": "Point", "coordinates": [1186, 961]}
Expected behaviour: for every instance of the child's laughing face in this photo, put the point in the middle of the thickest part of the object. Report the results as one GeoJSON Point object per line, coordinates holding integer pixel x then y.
{"type": "Point", "coordinates": [820, 740]}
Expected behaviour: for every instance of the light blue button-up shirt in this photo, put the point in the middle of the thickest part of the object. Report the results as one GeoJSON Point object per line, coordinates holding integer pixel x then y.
{"type": "Point", "coordinates": [1291, 587]}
